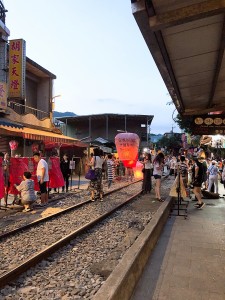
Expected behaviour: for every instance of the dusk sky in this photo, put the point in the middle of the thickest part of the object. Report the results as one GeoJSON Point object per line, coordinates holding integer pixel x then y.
{"type": "Point", "coordinates": [98, 54]}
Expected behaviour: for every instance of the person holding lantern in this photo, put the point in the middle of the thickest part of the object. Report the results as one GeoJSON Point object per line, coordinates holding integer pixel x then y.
{"type": "Point", "coordinates": [42, 176]}
{"type": "Point", "coordinates": [158, 164]}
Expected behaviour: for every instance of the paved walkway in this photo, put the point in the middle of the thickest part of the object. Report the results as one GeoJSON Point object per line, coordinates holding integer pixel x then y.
{"type": "Point", "coordinates": [189, 260]}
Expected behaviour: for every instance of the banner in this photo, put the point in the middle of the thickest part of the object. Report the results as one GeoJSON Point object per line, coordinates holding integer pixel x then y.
{"type": "Point", "coordinates": [1, 180]}
{"type": "Point", "coordinates": [17, 68]}
{"type": "Point", "coordinates": [55, 175]}
{"type": "Point", "coordinates": [19, 165]}
{"type": "Point", "coordinates": [16, 169]}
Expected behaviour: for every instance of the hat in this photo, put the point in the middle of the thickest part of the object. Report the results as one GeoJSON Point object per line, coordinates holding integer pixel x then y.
{"type": "Point", "coordinates": [214, 162]}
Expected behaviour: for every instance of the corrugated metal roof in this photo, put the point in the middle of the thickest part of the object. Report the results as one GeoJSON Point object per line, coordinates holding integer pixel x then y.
{"type": "Point", "coordinates": [6, 122]}
{"type": "Point", "coordinates": [186, 40]}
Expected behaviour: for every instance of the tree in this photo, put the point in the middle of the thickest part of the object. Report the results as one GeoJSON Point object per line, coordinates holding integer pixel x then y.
{"type": "Point", "coordinates": [171, 143]}
{"type": "Point", "coordinates": [185, 122]}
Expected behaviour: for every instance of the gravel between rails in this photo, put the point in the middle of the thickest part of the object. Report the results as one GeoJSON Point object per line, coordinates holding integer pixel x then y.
{"type": "Point", "coordinates": [9, 222]}
{"type": "Point", "coordinates": [79, 269]}
{"type": "Point", "coordinates": [19, 247]}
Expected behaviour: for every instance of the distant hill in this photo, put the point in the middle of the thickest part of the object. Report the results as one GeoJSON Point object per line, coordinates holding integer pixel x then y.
{"type": "Point", "coordinates": [57, 114]}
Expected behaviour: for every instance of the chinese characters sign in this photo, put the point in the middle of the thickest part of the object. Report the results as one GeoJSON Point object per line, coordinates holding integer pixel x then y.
{"type": "Point", "coordinates": [3, 96]}
{"type": "Point", "coordinates": [17, 68]}
{"type": "Point", "coordinates": [127, 147]}
{"type": "Point", "coordinates": [209, 124]}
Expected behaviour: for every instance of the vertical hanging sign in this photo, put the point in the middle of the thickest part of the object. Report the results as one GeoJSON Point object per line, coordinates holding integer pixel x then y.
{"type": "Point", "coordinates": [3, 97]}
{"type": "Point", "coordinates": [17, 68]}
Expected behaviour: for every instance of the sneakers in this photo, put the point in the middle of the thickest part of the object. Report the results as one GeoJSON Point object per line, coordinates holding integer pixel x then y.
{"type": "Point", "coordinates": [26, 209]}
{"type": "Point", "coordinates": [200, 206]}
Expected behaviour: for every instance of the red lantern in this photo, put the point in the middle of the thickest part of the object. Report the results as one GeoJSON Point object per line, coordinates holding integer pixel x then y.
{"type": "Point", "coordinates": [35, 147]}
{"type": "Point", "coordinates": [127, 145]}
{"type": "Point", "coordinates": [13, 145]}
{"type": "Point", "coordinates": [138, 174]}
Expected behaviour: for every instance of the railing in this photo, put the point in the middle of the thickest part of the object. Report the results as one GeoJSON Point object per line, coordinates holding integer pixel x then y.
{"type": "Point", "coordinates": [24, 109]}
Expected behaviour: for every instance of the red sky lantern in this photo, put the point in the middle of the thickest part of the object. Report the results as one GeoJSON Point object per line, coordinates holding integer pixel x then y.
{"type": "Point", "coordinates": [127, 145]}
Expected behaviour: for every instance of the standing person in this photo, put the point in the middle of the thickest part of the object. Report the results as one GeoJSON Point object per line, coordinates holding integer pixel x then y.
{"type": "Point", "coordinates": [223, 174]}
{"type": "Point", "coordinates": [172, 165]}
{"type": "Point", "coordinates": [147, 174]}
{"type": "Point", "coordinates": [158, 164]}
{"type": "Point", "coordinates": [198, 180]}
{"type": "Point", "coordinates": [96, 186]}
{"type": "Point", "coordinates": [66, 172]}
{"type": "Point", "coordinates": [26, 188]}
{"type": "Point", "coordinates": [110, 163]}
{"type": "Point", "coordinates": [5, 164]}
{"type": "Point", "coordinates": [213, 172]}
{"type": "Point", "coordinates": [42, 176]}
{"type": "Point", "coordinates": [129, 174]}
{"type": "Point", "coordinates": [184, 170]}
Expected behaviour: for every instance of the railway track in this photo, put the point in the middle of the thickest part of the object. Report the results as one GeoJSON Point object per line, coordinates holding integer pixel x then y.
{"type": "Point", "coordinates": [41, 238]}
{"type": "Point", "coordinates": [26, 226]}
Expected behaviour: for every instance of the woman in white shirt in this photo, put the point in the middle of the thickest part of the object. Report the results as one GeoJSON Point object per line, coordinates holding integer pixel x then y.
{"type": "Point", "coordinates": [158, 165]}
{"type": "Point", "coordinates": [96, 186]}
{"type": "Point", "coordinates": [147, 174]}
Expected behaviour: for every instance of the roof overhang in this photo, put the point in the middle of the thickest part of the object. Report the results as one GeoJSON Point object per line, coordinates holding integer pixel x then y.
{"type": "Point", "coordinates": [38, 70]}
{"type": "Point", "coordinates": [99, 117]}
{"type": "Point", "coordinates": [187, 41]}
{"type": "Point", "coordinates": [41, 135]}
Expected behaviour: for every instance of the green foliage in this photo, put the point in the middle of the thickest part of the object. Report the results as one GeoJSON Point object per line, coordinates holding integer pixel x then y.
{"type": "Point", "coordinates": [184, 122]}
{"type": "Point", "coordinates": [171, 142]}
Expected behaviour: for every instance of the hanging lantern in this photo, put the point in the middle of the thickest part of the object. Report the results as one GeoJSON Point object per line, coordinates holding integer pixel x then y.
{"type": "Point", "coordinates": [127, 145]}
{"type": "Point", "coordinates": [13, 145]}
{"type": "Point", "coordinates": [35, 147]}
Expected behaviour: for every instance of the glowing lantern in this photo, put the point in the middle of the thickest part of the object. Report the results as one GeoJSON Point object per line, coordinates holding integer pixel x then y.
{"type": "Point", "coordinates": [138, 174]}
{"type": "Point", "coordinates": [35, 147]}
{"type": "Point", "coordinates": [13, 145]}
{"type": "Point", "coordinates": [127, 147]}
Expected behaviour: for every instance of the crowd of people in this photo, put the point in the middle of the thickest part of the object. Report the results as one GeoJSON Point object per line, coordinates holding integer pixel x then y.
{"type": "Point", "coordinates": [26, 186]}
{"type": "Point", "coordinates": [197, 173]}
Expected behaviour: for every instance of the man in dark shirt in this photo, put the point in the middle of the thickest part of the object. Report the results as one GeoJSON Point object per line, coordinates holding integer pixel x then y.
{"type": "Point", "coordinates": [65, 169]}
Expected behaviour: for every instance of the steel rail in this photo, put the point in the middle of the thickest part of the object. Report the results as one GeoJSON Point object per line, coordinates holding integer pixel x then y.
{"type": "Point", "coordinates": [43, 254]}
{"type": "Point", "coordinates": [55, 215]}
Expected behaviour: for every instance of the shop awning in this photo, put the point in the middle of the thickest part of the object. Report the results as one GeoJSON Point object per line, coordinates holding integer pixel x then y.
{"type": "Point", "coordinates": [41, 135]}
{"type": "Point", "coordinates": [8, 123]}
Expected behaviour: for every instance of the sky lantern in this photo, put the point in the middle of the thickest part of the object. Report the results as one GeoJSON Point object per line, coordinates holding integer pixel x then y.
{"type": "Point", "coordinates": [138, 174]}
{"type": "Point", "coordinates": [127, 145]}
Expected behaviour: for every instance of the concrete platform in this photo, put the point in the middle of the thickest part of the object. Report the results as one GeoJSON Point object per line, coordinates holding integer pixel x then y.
{"type": "Point", "coordinates": [188, 261]}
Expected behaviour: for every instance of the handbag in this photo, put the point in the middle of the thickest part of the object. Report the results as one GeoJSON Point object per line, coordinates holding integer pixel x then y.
{"type": "Point", "coordinates": [90, 175]}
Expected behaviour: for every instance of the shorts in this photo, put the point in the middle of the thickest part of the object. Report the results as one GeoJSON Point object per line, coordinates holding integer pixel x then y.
{"type": "Point", "coordinates": [43, 187]}
{"type": "Point", "coordinates": [157, 176]}
{"type": "Point", "coordinates": [197, 183]}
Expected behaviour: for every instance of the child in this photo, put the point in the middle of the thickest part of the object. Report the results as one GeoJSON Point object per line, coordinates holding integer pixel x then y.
{"type": "Point", "coordinates": [26, 188]}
